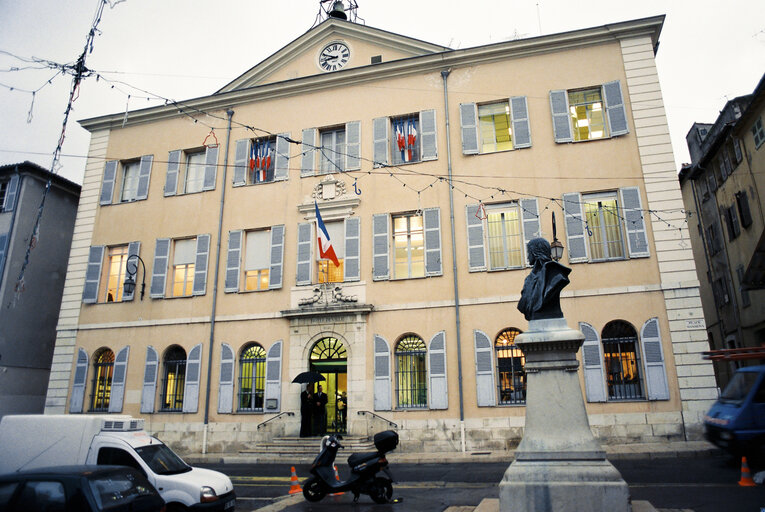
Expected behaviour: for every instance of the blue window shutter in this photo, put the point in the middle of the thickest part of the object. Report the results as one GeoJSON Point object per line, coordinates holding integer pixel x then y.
{"type": "Point", "coordinates": [382, 391]}
{"type": "Point", "coordinates": [144, 177]}
{"type": "Point", "coordinates": [93, 274]}
{"type": "Point", "coordinates": [277, 258]}
{"type": "Point", "coordinates": [634, 222]}
{"type": "Point", "coordinates": [77, 399]}
{"type": "Point", "coordinates": [211, 168]}
{"type": "Point", "coordinates": [380, 130]}
{"type": "Point", "coordinates": [475, 241]}
{"type": "Point", "coordinates": [380, 247]}
{"type": "Point", "coordinates": [575, 234]}
{"type": "Point", "coordinates": [308, 163]}
{"type": "Point", "coordinates": [282, 159]}
{"type": "Point", "coordinates": [193, 372]}
{"type": "Point", "coordinates": [615, 110]}
{"type": "Point", "coordinates": [273, 391]}
{"type": "Point", "coordinates": [353, 146]}
{"type": "Point", "coordinates": [107, 185]}
{"type": "Point", "coordinates": [134, 248]}
{"type": "Point", "coordinates": [531, 224]}
{"type": "Point", "coordinates": [432, 224]}
{"type": "Point", "coordinates": [653, 359]}
{"type": "Point", "coordinates": [149, 380]}
{"type": "Point", "coordinates": [173, 168]}
{"type": "Point", "coordinates": [486, 395]}
{"type": "Point", "coordinates": [592, 361]}
{"type": "Point", "coordinates": [521, 126]}
{"type": "Point", "coordinates": [439, 387]}
{"type": "Point", "coordinates": [304, 245]}
{"type": "Point", "coordinates": [118, 380]}
{"type": "Point", "coordinates": [240, 162]}
{"type": "Point", "coordinates": [226, 380]}
{"type": "Point", "coordinates": [159, 268]}
{"type": "Point", "coordinates": [200, 265]}
{"type": "Point", "coordinates": [4, 238]}
{"type": "Point", "coordinates": [428, 135]}
{"type": "Point", "coordinates": [469, 128]}
{"type": "Point", "coordinates": [11, 193]}
{"type": "Point", "coordinates": [233, 261]}
{"type": "Point", "coordinates": [560, 116]}
{"type": "Point", "coordinates": [352, 249]}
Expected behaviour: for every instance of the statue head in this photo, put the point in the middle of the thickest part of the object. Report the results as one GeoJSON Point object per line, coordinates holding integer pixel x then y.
{"type": "Point", "coordinates": [538, 249]}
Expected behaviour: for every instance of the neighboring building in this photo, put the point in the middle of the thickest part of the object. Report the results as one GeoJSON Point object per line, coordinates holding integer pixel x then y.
{"type": "Point", "coordinates": [416, 322]}
{"type": "Point", "coordinates": [29, 307]}
{"type": "Point", "coordinates": [722, 185]}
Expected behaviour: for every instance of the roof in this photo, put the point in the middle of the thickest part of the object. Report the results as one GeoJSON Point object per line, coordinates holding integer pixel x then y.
{"type": "Point", "coordinates": [35, 170]}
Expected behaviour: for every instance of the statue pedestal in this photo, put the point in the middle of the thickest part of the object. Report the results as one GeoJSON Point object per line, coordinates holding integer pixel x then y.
{"type": "Point", "coordinates": [559, 466]}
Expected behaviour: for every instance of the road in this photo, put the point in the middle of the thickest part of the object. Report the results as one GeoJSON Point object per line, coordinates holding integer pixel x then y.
{"type": "Point", "coordinates": [707, 484]}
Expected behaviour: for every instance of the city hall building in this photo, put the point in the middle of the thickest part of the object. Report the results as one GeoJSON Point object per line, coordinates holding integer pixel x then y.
{"type": "Point", "coordinates": [358, 205]}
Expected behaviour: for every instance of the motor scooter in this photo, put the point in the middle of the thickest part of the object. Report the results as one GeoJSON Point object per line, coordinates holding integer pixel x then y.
{"type": "Point", "coordinates": [365, 470]}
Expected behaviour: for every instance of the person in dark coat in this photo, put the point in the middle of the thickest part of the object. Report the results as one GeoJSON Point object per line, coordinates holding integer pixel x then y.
{"type": "Point", "coordinates": [306, 412]}
{"type": "Point", "coordinates": [320, 412]}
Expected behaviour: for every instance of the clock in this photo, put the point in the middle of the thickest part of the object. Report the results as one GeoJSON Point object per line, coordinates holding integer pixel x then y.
{"type": "Point", "coordinates": [334, 56]}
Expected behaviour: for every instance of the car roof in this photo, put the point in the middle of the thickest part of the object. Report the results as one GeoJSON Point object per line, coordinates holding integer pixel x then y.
{"type": "Point", "coordinates": [754, 369]}
{"type": "Point", "coordinates": [71, 470]}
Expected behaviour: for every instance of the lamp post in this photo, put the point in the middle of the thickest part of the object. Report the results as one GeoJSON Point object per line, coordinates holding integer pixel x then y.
{"type": "Point", "coordinates": [131, 269]}
{"type": "Point", "coordinates": [556, 248]}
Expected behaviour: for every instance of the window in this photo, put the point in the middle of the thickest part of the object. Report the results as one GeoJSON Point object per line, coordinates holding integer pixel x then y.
{"type": "Point", "coordinates": [746, 301]}
{"type": "Point", "coordinates": [602, 218]}
{"type": "Point", "coordinates": [742, 203]}
{"type": "Point", "coordinates": [262, 160]}
{"type": "Point", "coordinates": [130, 179]}
{"type": "Point", "coordinates": [3, 194]}
{"type": "Point", "coordinates": [114, 273]}
{"type": "Point", "coordinates": [505, 237]}
{"type": "Point", "coordinates": [411, 373]}
{"type": "Point", "coordinates": [494, 127]}
{"type": "Point", "coordinates": [184, 254]}
{"type": "Point", "coordinates": [405, 139]}
{"type": "Point", "coordinates": [712, 181]}
{"type": "Point", "coordinates": [510, 369]}
{"type": "Point", "coordinates": [405, 144]}
{"type": "Point", "coordinates": [252, 378]}
{"type": "Point", "coordinates": [254, 259]}
{"type": "Point", "coordinates": [174, 379]}
{"type": "Point", "coordinates": [408, 246]}
{"type": "Point", "coordinates": [714, 243]}
{"type": "Point", "coordinates": [758, 132]}
{"type": "Point", "coordinates": [731, 219]}
{"type": "Point", "coordinates": [622, 361]}
{"type": "Point", "coordinates": [588, 113]}
{"type": "Point", "coordinates": [332, 147]}
{"type": "Point", "coordinates": [327, 271]}
{"type": "Point", "coordinates": [256, 262]}
{"type": "Point", "coordinates": [195, 172]}
{"type": "Point", "coordinates": [130, 172]}
{"type": "Point", "coordinates": [103, 370]}
{"type": "Point", "coordinates": [338, 149]}
{"type": "Point", "coordinates": [106, 272]}
{"type": "Point", "coordinates": [41, 495]}
{"type": "Point", "coordinates": [720, 291]}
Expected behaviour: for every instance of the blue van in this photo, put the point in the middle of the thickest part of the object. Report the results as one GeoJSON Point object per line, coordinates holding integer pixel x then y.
{"type": "Point", "coordinates": [736, 422]}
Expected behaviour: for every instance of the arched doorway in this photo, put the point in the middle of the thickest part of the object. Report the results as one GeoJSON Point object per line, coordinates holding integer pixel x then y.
{"type": "Point", "coordinates": [329, 358]}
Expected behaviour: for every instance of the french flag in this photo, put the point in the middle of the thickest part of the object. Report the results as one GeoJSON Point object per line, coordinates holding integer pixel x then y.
{"type": "Point", "coordinates": [326, 251]}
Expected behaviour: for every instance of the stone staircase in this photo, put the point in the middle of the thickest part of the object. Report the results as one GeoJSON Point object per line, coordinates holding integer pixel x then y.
{"type": "Point", "coordinates": [304, 449]}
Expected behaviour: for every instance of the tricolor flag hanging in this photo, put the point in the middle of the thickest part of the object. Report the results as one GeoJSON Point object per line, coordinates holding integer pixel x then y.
{"type": "Point", "coordinates": [253, 154]}
{"type": "Point", "coordinates": [264, 161]}
{"type": "Point", "coordinates": [401, 140]}
{"type": "Point", "coordinates": [326, 251]}
{"type": "Point", "coordinates": [411, 139]}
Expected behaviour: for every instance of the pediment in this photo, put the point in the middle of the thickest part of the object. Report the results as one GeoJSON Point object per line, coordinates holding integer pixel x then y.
{"type": "Point", "coordinates": [300, 58]}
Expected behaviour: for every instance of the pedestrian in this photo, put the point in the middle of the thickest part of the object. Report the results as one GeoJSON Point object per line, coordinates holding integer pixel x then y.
{"type": "Point", "coordinates": [320, 412]}
{"type": "Point", "coordinates": [306, 410]}
{"type": "Point", "coordinates": [342, 409]}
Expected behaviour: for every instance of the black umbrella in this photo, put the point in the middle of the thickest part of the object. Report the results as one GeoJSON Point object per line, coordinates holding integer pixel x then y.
{"type": "Point", "coordinates": [307, 378]}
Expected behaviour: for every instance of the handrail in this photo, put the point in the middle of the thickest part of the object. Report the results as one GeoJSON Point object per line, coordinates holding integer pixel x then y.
{"type": "Point", "coordinates": [394, 425]}
{"type": "Point", "coordinates": [285, 413]}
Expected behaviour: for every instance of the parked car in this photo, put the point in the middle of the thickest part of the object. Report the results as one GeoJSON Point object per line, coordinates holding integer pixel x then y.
{"type": "Point", "coordinates": [83, 488]}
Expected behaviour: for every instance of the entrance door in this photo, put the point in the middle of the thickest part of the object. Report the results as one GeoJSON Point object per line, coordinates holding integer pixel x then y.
{"type": "Point", "coordinates": [329, 358]}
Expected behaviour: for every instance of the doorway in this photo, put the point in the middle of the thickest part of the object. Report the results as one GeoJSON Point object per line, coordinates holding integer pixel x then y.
{"type": "Point", "coordinates": [329, 358]}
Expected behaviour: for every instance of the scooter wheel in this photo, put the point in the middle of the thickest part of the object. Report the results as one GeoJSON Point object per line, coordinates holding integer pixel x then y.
{"type": "Point", "coordinates": [313, 490]}
{"type": "Point", "coordinates": [382, 490]}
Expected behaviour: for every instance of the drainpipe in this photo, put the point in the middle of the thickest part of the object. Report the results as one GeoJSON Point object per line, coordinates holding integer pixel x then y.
{"type": "Point", "coordinates": [230, 114]}
{"type": "Point", "coordinates": [445, 75]}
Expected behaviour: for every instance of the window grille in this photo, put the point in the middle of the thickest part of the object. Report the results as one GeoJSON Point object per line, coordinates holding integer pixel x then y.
{"type": "Point", "coordinates": [103, 370]}
{"type": "Point", "coordinates": [622, 362]}
{"type": "Point", "coordinates": [411, 373]}
{"type": "Point", "coordinates": [174, 379]}
{"type": "Point", "coordinates": [252, 378]}
{"type": "Point", "coordinates": [510, 369]}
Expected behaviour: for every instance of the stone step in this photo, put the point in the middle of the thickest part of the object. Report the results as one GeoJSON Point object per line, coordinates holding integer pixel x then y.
{"type": "Point", "coordinates": [307, 447]}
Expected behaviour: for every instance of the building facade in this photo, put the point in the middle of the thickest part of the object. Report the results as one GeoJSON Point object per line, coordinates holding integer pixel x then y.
{"type": "Point", "coordinates": [427, 169]}
{"type": "Point", "coordinates": [722, 184]}
{"type": "Point", "coordinates": [31, 280]}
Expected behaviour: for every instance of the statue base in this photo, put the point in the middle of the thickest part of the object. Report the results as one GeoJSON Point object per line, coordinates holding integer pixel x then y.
{"type": "Point", "coordinates": [559, 465]}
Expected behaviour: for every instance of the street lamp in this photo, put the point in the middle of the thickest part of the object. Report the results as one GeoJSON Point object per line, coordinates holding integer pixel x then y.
{"type": "Point", "coordinates": [131, 271]}
{"type": "Point", "coordinates": [556, 248]}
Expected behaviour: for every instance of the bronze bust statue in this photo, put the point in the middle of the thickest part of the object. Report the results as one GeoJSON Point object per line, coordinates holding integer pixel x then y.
{"type": "Point", "coordinates": [540, 297]}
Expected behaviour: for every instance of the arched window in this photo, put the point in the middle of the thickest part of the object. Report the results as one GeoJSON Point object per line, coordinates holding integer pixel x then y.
{"type": "Point", "coordinates": [174, 379]}
{"type": "Point", "coordinates": [103, 370]}
{"type": "Point", "coordinates": [411, 373]}
{"type": "Point", "coordinates": [510, 368]}
{"type": "Point", "coordinates": [252, 377]}
{"type": "Point", "coordinates": [622, 361]}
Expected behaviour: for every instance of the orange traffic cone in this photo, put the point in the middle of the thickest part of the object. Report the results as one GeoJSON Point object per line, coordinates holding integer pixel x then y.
{"type": "Point", "coordinates": [295, 487]}
{"type": "Point", "coordinates": [337, 477]}
{"type": "Point", "coordinates": [746, 476]}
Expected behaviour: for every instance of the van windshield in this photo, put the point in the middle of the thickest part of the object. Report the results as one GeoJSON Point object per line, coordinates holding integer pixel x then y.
{"type": "Point", "coordinates": [162, 460]}
{"type": "Point", "coordinates": [738, 387]}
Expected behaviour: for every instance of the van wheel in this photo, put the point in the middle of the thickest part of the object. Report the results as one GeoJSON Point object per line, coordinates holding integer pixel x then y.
{"type": "Point", "coordinates": [313, 489]}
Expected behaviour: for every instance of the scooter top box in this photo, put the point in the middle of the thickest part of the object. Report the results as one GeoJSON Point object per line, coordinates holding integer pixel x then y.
{"type": "Point", "coordinates": [386, 441]}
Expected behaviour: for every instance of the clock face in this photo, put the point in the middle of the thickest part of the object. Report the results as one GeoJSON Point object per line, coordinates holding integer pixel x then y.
{"type": "Point", "coordinates": [334, 56]}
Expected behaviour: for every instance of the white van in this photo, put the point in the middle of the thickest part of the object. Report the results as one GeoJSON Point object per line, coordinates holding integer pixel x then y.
{"type": "Point", "coordinates": [41, 440]}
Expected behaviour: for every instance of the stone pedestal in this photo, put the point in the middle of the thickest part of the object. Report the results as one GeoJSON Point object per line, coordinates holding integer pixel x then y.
{"type": "Point", "coordinates": [559, 466]}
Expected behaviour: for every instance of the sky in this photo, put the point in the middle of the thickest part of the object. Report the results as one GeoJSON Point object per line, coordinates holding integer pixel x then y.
{"type": "Point", "coordinates": [710, 52]}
